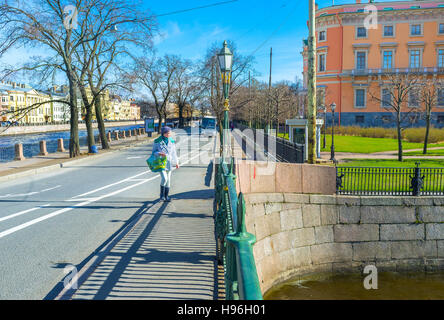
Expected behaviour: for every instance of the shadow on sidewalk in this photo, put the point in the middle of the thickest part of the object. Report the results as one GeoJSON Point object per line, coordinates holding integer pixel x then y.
{"type": "Point", "coordinates": [162, 255]}
{"type": "Point", "coordinates": [132, 220]}
{"type": "Point", "coordinates": [195, 194]}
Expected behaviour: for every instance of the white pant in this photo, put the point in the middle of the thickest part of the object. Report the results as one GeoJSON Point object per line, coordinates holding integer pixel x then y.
{"type": "Point", "coordinates": [165, 176]}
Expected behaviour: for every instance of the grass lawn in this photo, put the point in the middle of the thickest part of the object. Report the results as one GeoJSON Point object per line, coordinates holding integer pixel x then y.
{"type": "Point", "coordinates": [367, 145]}
{"type": "Point", "coordinates": [425, 163]}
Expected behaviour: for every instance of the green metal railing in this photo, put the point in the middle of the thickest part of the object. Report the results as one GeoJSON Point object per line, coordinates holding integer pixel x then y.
{"type": "Point", "coordinates": [235, 244]}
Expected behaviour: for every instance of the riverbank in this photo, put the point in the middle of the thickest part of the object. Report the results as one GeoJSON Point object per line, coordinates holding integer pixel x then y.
{"type": "Point", "coordinates": [54, 161]}
{"type": "Point", "coordinates": [20, 130]}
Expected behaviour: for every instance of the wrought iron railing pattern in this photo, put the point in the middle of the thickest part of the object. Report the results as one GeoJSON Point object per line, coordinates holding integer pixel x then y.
{"type": "Point", "coordinates": [234, 243]}
{"type": "Point", "coordinates": [280, 149]}
{"type": "Point", "coordinates": [374, 181]}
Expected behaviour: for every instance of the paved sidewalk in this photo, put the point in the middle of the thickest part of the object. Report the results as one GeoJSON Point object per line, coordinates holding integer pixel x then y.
{"type": "Point", "coordinates": [168, 253]}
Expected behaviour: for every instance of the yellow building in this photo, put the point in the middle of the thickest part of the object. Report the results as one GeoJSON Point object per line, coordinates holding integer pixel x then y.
{"type": "Point", "coordinates": [135, 111]}
{"type": "Point", "coordinates": [21, 102]}
{"type": "Point", "coordinates": [105, 102]}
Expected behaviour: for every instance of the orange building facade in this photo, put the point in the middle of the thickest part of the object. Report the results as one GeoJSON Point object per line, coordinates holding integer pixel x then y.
{"type": "Point", "coordinates": [353, 60]}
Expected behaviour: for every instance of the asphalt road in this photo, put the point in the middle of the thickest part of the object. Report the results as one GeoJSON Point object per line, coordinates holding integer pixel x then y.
{"type": "Point", "coordinates": [52, 220]}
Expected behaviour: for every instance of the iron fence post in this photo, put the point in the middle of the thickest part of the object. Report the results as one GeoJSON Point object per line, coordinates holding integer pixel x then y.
{"type": "Point", "coordinates": [417, 181]}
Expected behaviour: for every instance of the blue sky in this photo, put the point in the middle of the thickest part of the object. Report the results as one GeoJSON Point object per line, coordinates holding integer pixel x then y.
{"type": "Point", "coordinates": [254, 25]}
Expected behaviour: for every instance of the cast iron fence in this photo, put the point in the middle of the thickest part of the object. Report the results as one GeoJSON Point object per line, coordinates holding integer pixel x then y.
{"type": "Point", "coordinates": [234, 243]}
{"type": "Point", "coordinates": [374, 181]}
{"type": "Point", "coordinates": [280, 149]}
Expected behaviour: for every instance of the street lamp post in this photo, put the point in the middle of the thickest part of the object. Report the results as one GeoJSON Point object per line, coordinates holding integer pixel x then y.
{"type": "Point", "coordinates": [324, 108]}
{"type": "Point", "coordinates": [332, 157]}
{"type": "Point", "coordinates": [225, 58]}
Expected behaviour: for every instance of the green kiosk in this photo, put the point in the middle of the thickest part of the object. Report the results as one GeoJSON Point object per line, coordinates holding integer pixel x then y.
{"type": "Point", "coordinates": [298, 133]}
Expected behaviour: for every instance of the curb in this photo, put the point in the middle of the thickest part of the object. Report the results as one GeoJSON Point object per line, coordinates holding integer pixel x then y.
{"type": "Point", "coordinates": [63, 164]}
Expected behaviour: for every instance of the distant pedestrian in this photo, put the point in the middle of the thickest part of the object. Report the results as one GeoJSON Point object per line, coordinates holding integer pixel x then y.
{"type": "Point", "coordinates": [231, 125]}
{"type": "Point", "coordinates": [166, 146]}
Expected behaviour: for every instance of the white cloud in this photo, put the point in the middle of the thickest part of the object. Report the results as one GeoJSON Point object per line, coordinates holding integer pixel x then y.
{"type": "Point", "coordinates": [171, 30]}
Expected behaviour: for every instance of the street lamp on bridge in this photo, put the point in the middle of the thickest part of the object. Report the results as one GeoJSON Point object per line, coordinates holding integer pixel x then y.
{"type": "Point", "coordinates": [225, 58]}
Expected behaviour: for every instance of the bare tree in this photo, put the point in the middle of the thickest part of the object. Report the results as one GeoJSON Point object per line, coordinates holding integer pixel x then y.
{"type": "Point", "coordinates": [156, 75]}
{"type": "Point", "coordinates": [428, 96]}
{"type": "Point", "coordinates": [41, 24]}
{"type": "Point", "coordinates": [399, 89]}
{"type": "Point", "coordinates": [211, 82]}
{"type": "Point", "coordinates": [187, 88]}
{"type": "Point", "coordinates": [45, 24]}
{"type": "Point", "coordinates": [117, 27]}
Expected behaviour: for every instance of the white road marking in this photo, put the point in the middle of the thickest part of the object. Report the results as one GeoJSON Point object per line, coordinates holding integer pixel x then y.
{"type": "Point", "coordinates": [23, 212]}
{"type": "Point", "coordinates": [116, 183]}
{"type": "Point", "coordinates": [58, 212]}
{"type": "Point", "coordinates": [133, 158]}
{"type": "Point", "coordinates": [9, 195]}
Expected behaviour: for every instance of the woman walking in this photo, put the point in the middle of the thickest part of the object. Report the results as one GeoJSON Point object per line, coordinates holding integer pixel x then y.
{"type": "Point", "coordinates": [166, 147]}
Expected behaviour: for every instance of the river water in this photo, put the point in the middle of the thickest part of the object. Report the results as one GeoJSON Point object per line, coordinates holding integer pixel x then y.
{"type": "Point", "coordinates": [31, 142]}
{"type": "Point", "coordinates": [390, 286]}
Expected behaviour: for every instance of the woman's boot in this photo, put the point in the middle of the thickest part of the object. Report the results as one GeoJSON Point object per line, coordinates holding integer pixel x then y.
{"type": "Point", "coordinates": [167, 190]}
{"type": "Point", "coordinates": [162, 193]}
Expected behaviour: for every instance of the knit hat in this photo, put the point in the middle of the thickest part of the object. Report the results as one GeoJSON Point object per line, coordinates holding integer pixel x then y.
{"type": "Point", "coordinates": [165, 130]}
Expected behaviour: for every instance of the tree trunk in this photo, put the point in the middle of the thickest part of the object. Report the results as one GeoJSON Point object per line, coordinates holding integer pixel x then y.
{"type": "Point", "coordinates": [181, 124]}
{"type": "Point", "coordinates": [159, 127]}
{"type": "Point", "coordinates": [88, 119]}
{"type": "Point", "coordinates": [398, 122]}
{"type": "Point", "coordinates": [74, 145]}
{"type": "Point", "coordinates": [426, 139]}
{"type": "Point", "coordinates": [101, 124]}
{"type": "Point", "coordinates": [89, 128]}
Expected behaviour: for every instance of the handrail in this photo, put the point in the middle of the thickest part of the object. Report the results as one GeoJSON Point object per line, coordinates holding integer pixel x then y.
{"type": "Point", "coordinates": [235, 244]}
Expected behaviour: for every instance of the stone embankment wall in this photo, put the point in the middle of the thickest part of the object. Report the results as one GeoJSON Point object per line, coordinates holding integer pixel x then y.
{"type": "Point", "coordinates": [301, 234]}
{"type": "Point", "coordinates": [14, 130]}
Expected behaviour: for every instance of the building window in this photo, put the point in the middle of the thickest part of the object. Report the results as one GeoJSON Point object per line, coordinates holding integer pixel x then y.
{"type": "Point", "coordinates": [440, 119]}
{"type": "Point", "coordinates": [388, 31]}
{"type": "Point", "coordinates": [441, 97]}
{"type": "Point", "coordinates": [322, 36]}
{"type": "Point", "coordinates": [361, 60]}
{"type": "Point", "coordinates": [441, 58]}
{"type": "Point", "coordinates": [415, 30]}
{"type": "Point", "coordinates": [387, 62]}
{"type": "Point", "coordinates": [441, 28]}
{"type": "Point", "coordinates": [11, 98]}
{"type": "Point", "coordinates": [361, 32]}
{"type": "Point", "coordinates": [413, 99]}
{"type": "Point", "coordinates": [386, 98]}
{"type": "Point", "coordinates": [413, 118]}
{"type": "Point", "coordinates": [387, 119]}
{"type": "Point", "coordinates": [359, 119]}
{"type": "Point", "coordinates": [360, 98]}
{"type": "Point", "coordinates": [321, 62]}
{"type": "Point", "coordinates": [415, 58]}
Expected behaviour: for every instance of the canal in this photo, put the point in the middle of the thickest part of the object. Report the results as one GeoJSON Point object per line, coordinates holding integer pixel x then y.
{"type": "Point", "coordinates": [31, 141]}
{"type": "Point", "coordinates": [390, 286]}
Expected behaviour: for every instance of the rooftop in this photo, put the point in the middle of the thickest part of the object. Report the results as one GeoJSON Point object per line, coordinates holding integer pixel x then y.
{"type": "Point", "coordinates": [381, 6]}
